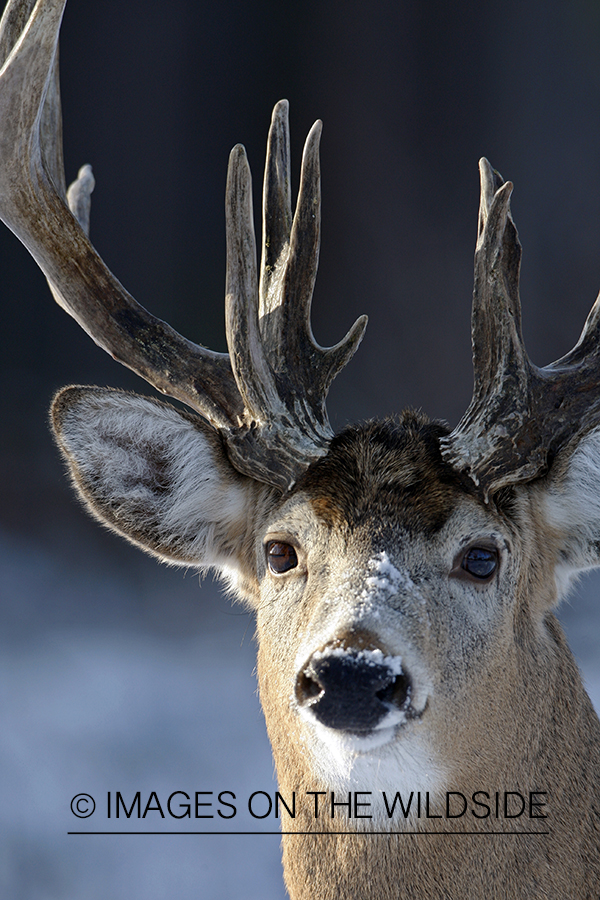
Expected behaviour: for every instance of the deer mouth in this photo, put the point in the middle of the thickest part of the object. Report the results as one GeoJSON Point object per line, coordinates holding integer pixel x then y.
{"type": "Point", "coordinates": [356, 692]}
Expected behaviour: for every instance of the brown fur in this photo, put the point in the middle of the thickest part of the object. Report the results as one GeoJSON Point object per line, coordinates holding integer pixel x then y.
{"type": "Point", "coordinates": [502, 701]}
{"type": "Point", "coordinates": [376, 470]}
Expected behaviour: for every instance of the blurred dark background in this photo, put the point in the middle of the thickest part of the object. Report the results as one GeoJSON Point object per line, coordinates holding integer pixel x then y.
{"type": "Point", "coordinates": [411, 95]}
{"type": "Point", "coordinates": [154, 97]}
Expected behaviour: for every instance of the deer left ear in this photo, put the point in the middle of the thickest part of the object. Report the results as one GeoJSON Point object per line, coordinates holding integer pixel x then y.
{"type": "Point", "coordinates": [571, 505]}
{"type": "Point", "coordinates": [157, 476]}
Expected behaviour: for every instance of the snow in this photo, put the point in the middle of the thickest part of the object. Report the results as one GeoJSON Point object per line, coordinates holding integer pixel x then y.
{"type": "Point", "coordinates": [92, 707]}
{"type": "Point", "coordinates": [121, 679]}
{"type": "Point", "coordinates": [370, 657]}
{"type": "Point", "coordinates": [386, 576]}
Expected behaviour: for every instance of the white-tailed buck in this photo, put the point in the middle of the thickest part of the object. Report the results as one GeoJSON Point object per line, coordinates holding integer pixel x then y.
{"type": "Point", "coordinates": [415, 682]}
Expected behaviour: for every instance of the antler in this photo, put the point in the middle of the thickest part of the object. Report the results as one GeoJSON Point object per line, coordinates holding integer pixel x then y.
{"type": "Point", "coordinates": [267, 396]}
{"type": "Point", "coordinates": [520, 415]}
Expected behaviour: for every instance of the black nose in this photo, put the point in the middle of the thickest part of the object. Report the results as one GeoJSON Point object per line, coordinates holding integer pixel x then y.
{"type": "Point", "coordinates": [351, 691]}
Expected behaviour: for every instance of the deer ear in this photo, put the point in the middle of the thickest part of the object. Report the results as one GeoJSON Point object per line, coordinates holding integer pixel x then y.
{"type": "Point", "coordinates": [571, 502]}
{"type": "Point", "coordinates": [157, 476]}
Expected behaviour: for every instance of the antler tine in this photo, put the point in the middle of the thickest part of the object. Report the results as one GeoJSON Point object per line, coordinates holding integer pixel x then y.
{"type": "Point", "coordinates": [496, 318]}
{"type": "Point", "coordinates": [300, 276]}
{"type": "Point", "coordinates": [32, 205]}
{"type": "Point", "coordinates": [277, 201]}
{"type": "Point", "coordinates": [303, 257]}
{"type": "Point", "coordinates": [520, 415]}
{"type": "Point", "coordinates": [252, 373]}
{"type": "Point", "coordinates": [289, 269]}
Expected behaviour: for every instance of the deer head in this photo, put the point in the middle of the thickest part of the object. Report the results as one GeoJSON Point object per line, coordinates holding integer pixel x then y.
{"type": "Point", "coordinates": [403, 576]}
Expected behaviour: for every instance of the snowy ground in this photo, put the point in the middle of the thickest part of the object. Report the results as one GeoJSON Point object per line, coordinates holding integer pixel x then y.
{"type": "Point", "coordinates": [93, 699]}
{"type": "Point", "coordinates": [92, 707]}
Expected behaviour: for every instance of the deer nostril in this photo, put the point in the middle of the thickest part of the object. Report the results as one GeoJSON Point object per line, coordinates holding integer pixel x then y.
{"type": "Point", "coordinates": [397, 692]}
{"type": "Point", "coordinates": [352, 690]}
{"type": "Point", "coordinates": [307, 689]}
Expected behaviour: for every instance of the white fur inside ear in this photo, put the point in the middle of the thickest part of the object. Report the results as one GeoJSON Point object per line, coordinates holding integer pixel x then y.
{"type": "Point", "coordinates": [572, 508]}
{"type": "Point", "coordinates": [155, 475]}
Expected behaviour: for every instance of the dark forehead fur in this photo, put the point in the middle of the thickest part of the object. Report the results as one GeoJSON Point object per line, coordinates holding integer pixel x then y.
{"type": "Point", "coordinates": [387, 472]}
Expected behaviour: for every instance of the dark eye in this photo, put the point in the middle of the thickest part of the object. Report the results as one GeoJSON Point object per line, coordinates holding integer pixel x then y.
{"type": "Point", "coordinates": [281, 557]}
{"type": "Point", "coordinates": [481, 562]}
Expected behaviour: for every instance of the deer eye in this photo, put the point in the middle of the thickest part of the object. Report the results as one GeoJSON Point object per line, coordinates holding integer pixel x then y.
{"type": "Point", "coordinates": [281, 557]}
{"type": "Point", "coordinates": [480, 562]}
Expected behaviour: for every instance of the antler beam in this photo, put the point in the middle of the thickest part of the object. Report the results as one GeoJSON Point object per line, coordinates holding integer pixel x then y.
{"type": "Point", "coordinates": [267, 396]}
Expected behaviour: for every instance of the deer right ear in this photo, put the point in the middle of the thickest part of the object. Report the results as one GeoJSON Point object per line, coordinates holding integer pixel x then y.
{"type": "Point", "coordinates": [157, 476]}
{"type": "Point", "coordinates": [571, 500]}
